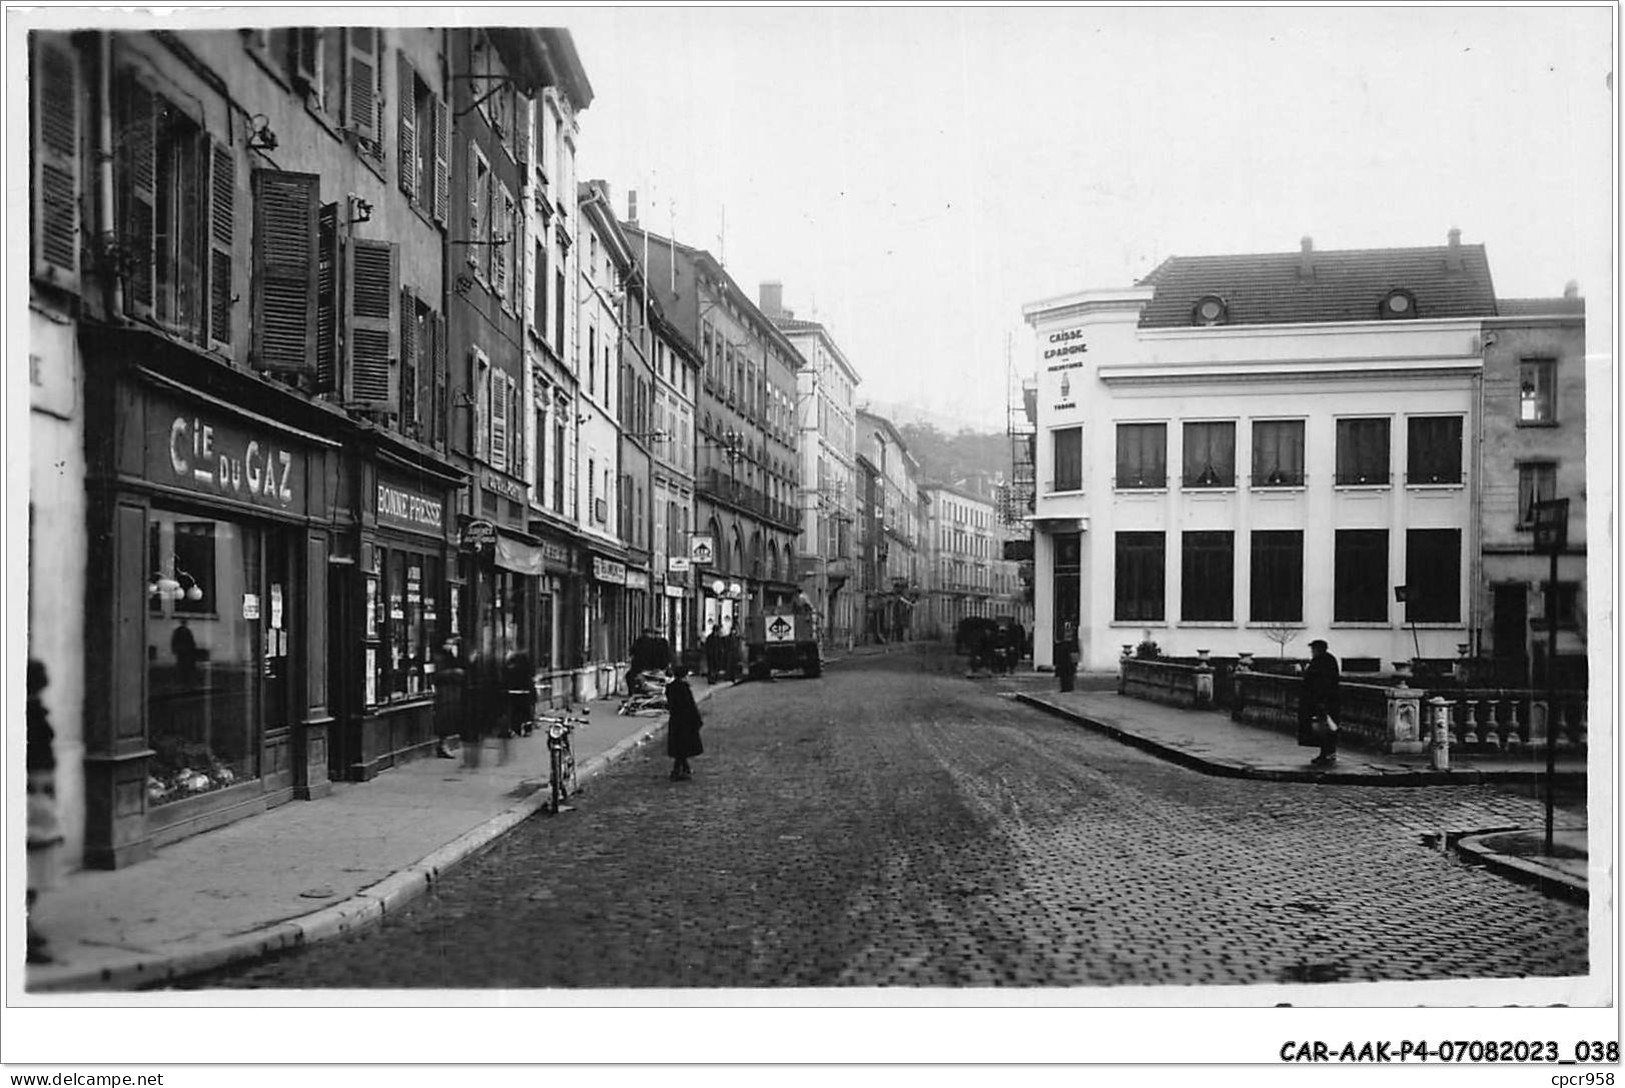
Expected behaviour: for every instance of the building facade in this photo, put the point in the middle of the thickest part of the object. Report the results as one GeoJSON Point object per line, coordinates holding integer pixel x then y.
{"type": "Point", "coordinates": [1240, 454]}
{"type": "Point", "coordinates": [746, 475]}
{"type": "Point", "coordinates": [896, 530]}
{"type": "Point", "coordinates": [1534, 449]}
{"type": "Point", "coordinates": [827, 429]}
{"type": "Point", "coordinates": [965, 570]}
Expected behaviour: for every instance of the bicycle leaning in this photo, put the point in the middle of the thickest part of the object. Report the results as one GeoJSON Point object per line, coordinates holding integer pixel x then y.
{"type": "Point", "coordinates": [561, 758]}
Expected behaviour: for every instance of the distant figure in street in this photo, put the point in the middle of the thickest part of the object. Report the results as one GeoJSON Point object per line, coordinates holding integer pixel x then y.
{"type": "Point", "coordinates": [450, 697]}
{"type": "Point", "coordinates": [183, 644]}
{"type": "Point", "coordinates": [683, 727]}
{"type": "Point", "coordinates": [519, 681]}
{"type": "Point", "coordinates": [650, 654]}
{"type": "Point", "coordinates": [44, 831]}
{"type": "Point", "coordinates": [1318, 708]}
{"type": "Point", "coordinates": [713, 653]}
{"type": "Point", "coordinates": [1018, 644]}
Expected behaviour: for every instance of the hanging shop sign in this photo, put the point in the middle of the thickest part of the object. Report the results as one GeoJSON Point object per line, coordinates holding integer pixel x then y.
{"type": "Point", "coordinates": [477, 535]}
{"type": "Point", "coordinates": [404, 508]}
{"type": "Point", "coordinates": [678, 564]}
{"type": "Point", "coordinates": [676, 591]}
{"type": "Point", "coordinates": [609, 570]}
{"type": "Point", "coordinates": [501, 485]}
{"type": "Point", "coordinates": [637, 579]}
{"type": "Point", "coordinates": [214, 456]}
{"type": "Point", "coordinates": [702, 549]}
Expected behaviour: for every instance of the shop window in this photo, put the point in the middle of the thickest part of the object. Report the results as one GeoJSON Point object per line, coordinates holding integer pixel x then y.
{"type": "Point", "coordinates": [1433, 450]}
{"type": "Point", "coordinates": [1537, 482]}
{"type": "Point", "coordinates": [1210, 455]}
{"type": "Point", "coordinates": [1207, 584]}
{"type": "Point", "coordinates": [1278, 453]}
{"type": "Point", "coordinates": [1360, 576]}
{"type": "Point", "coordinates": [1277, 576]}
{"type": "Point", "coordinates": [1068, 459]}
{"type": "Point", "coordinates": [1537, 397]}
{"type": "Point", "coordinates": [1565, 602]}
{"type": "Point", "coordinates": [1433, 575]}
{"type": "Point", "coordinates": [205, 655]}
{"type": "Point", "coordinates": [1142, 455]}
{"type": "Point", "coordinates": [1140, 588]}
{"type": "Point", "coordinates": [1362, 451]}
{"type": "Point", "coordinates": [404, 623]}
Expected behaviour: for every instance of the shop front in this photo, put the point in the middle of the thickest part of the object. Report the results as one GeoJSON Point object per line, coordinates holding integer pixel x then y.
{"type": "Point", "coordinates": [607, 642]}
{"type": "Point", "coordinates": [537, 578]}
{"type": "Point", "coordinates": [391, 604]}
{"type": "Point", "coordinates": [206, 652]}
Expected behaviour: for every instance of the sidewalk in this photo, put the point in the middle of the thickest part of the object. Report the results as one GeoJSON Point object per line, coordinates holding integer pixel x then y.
{"type": "Point", "coordinates": [1209, 742]}
{"type": "Point", "coordinates": [307, 871]}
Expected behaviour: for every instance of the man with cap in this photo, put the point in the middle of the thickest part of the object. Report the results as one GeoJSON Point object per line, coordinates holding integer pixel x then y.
{"type": "Point", "coordinates": [1318, 706]}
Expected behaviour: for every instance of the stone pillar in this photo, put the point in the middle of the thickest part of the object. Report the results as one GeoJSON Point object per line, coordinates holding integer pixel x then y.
{"type": "Point", "coordinates": [1539, 717]}
{"type": "Point", "coordinates": [1439, 748]}
{"type": "Point", "coordinates": [1238, 689]}
{"type": "Point", "coordinates": [1204, 680]}
{"type": "Point", "coordinates": [1404, 720]}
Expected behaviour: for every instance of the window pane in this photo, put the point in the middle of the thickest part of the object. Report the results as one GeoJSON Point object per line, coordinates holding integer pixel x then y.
{"type": "Point", "coordinates": [1433, 575]}
{"type": "Point", "coordinates": [1537, 482]}
{"type": "Point", "coordinates": [1207, 588]}
{"type": "Point", "coordinates": [1434, 450]}
{"type": "Point", "coordinates": [1140, 581]}
{"type": "Point", "coordinates": [1536, 403]}
{"type": "Point", "coordinates": [1210, 455]}
{"type": "Point", "coordinates": [1360, 579]}
{"type": "Point", "coordinates": [1142, 452]}
{"type": "Point", "coordinates": [1278, 453]}
{"type": "Point", "coordinates": [1069, 459]}
{"type": "Point", "coordinates": [1362, 451]}
{"type": "Point", "coordinates": [1277, 576]}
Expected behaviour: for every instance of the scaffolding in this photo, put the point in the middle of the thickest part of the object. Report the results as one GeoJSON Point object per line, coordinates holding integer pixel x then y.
{"type": "Point", "coordinates": [1015, 499]}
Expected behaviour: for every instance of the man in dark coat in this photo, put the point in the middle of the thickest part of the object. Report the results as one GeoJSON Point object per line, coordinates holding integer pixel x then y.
{"type": "Point", "coordinates": [683, 728]}
{"type": "Point", "coordinates": [713, 653]}
{"type": "Point", "coordinates": [1318, 708]}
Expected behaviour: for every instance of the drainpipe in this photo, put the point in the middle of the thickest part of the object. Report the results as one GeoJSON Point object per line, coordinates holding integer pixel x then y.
{"type": "Point", "coordinates": [1475, 502]}
{"type": "Point", "coordinates": [104, 161]}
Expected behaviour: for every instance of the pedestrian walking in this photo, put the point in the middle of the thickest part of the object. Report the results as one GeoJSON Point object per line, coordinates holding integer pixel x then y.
{"type": "Point", "coordinates": [713, 653]}
{"type": "Point", "coordinates": [44, 831]}
{"type": "Point", "coordinates": [483, 704]}
{"type": "Point", "coordinates": [450, 697]}
{"type": "Point", "coordinates": [1066, 656]}
{"type": "Point", "coordinates": [683, 726]}
{"type": "Point", "coordinates": [1318, 708]}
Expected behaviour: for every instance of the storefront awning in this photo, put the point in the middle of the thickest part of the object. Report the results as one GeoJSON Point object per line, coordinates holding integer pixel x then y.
{"type": "Point", "coordinates": [518, 556]}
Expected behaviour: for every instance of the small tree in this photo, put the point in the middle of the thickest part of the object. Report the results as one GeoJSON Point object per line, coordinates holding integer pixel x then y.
{"type": "Point", "coordinates": [1281, 634]}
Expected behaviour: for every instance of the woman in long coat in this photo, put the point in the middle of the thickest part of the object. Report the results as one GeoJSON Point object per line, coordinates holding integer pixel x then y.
{"type": "Point", "coordinates": [683, 728]}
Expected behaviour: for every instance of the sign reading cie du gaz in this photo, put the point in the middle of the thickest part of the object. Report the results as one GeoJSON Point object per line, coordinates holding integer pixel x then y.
{"type": "Point", "coordinates": [202, 454]}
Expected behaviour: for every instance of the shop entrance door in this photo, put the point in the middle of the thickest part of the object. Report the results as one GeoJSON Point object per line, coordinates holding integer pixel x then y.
{"type": "Point", "coordinates": [277, 616]}
{"type": "Point", "coordinates": [343, 669]}
{"type": "Point", "coordinates": [1511, 633]}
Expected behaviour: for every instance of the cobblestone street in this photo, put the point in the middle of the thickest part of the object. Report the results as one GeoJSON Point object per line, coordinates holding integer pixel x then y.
{"type": "Point", "coordinates": [893, 824]}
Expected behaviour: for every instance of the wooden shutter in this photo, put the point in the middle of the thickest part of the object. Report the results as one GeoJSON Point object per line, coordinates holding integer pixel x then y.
{"type": "Point", "coordinates": [372, 349]}
{"type": "Point", "coordinates": [409, 362]}
{"type": "Point", "coordinates": [440, 408]}
{"type": "Point", "coordinates": [499, 420]}
{"type": "Point", "coordinates": [362, 82]}
{"type": "Point", "coordinates": [305, 56]}
{"type": "Point", "coordinates": [329, 297]}
{"type": "Point", "coordinates": [56, 128]}
{"type": "Point", "coordinates": [222, 229]}
{"type": "Point", "coordinates": [473, 248]}
{"type": "Point", "coordinates": [479, 388]}
{"type": "Point", "coordinates": [136, 162]}
{"type": "Point", "coordinates": [406, 132]}
{"type": "Point", "coordinates": [285, 271]}
{"type": "Point", "coordinates": [442, 161]}
{"type": "Point", "coordinates": [502, 217]}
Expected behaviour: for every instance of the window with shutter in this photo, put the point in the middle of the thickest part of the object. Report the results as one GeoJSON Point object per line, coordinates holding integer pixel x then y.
{"type": "Point", "coordinates": [442, 162]}
{"type": "Point", "coordinates": [409, 363]}
{"type": "Point", "coordinates": [406, 132]}
{"type": "Point", "coordinates": [479, 388]}
{"type": "Point", "coordinates": [440, 407]}
{"type": "Point", "coordinates": [55, 144]}
{"type": "Point", "coordinates": [329, 302]}
{"type": "Point", "coordinates": [478, 201]}
{"type": "Point", "coordinates": [362, 88]}
{"type": "Point", "coordinates": [222, 227]}
{"type": "Point", "coordinates": [499, 420]}
{"type": "Point", "coordinates": [524, 123]}
{"type": "Point", "coordinates": [516, 429]}
{"type": "Point", "coordinates": [501, 243]}
{"type": "Point", "coordinates": [372, 342]}
{"type": "Point", "coordinates": [135, 164]}
{"type": "Point", "coordinates": [285, 271]}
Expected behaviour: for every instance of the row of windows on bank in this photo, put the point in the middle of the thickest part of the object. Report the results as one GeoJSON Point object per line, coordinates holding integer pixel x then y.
{"type": "Point", "coordinates": [1362, 456]}
{"type": "Point", "coordinates": [1362, 586]}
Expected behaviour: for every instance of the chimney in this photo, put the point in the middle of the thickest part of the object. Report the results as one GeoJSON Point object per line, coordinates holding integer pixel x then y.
{"type": "Point", "coordinates": [1306, 258]}
{"type": "Point", "coordinates": [1452, 258]}
{"type": "Point", "coordinates": [1571, 289]}
{"type": "Point", "coordinates": [771, 294]}
{"type": "Point", "coordinates": [632, 207]}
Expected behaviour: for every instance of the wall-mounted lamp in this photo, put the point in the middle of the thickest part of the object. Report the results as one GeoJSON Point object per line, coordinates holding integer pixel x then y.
{"type": "Point", "coordinates": [360, 210]}
{"type": "Point", "coordinates": [261, 138]}
{"type": "Point", "coordinates": [180, 587]}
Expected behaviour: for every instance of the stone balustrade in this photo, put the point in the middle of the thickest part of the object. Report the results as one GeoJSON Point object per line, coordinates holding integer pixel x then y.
{"type": "Point", "coordinates": [1170, 682]}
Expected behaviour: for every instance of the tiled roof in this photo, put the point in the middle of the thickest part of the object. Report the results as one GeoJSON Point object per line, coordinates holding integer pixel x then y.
{"type": "Point", "coordinates": [1346, 285]}
{"type": "Point", "coordinates": [1540, 307]}
{"type": "Point", "coordinates": [795, 324]}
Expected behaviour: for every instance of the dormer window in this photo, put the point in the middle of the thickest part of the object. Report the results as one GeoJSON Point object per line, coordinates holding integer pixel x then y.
{"type": "Point", "coordinates": [1398, 304]}
{"type": "Point", "coordinates": [1210, 310]}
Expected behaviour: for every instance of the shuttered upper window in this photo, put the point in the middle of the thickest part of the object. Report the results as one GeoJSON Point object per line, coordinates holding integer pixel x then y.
{"type": "Point", "coordinates": [286, 272]}
{"type": "Point", "coordinates": [56, 127]}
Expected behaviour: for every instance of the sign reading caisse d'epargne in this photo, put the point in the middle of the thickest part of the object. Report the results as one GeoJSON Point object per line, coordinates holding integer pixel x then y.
{"type": "Point", "coordinates": [780, 629]}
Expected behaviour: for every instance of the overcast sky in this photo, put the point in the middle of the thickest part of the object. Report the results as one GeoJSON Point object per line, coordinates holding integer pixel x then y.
{"type": "Point", "coordinates": [914, 176]}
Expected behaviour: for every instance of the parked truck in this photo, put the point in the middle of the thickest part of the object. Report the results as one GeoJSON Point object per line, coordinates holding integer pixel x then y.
{"type": "Point", "coordinates": [782, 639]}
